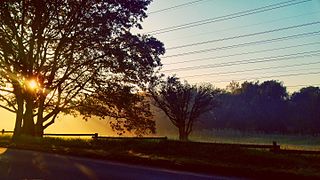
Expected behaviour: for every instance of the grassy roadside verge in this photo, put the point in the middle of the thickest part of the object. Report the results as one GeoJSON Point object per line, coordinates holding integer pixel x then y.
{"type": "Point", "coordinates": [193, 157]}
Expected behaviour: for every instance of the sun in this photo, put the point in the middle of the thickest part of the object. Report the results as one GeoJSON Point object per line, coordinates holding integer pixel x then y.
{"type": "Point", "coordinates": [32, 84]}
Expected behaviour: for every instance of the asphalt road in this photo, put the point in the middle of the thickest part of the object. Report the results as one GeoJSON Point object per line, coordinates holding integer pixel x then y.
{"type": "Point", "coordinates": [24, 164]}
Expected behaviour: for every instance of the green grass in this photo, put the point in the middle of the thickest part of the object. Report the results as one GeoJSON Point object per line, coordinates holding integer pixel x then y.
{"type": "Point", "coordinates": [299, 142]}
{"type": "Point", "coordinates": [188, 156]}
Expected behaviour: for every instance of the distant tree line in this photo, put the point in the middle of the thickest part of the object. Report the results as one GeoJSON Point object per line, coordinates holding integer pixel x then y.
{"type": "Point", "coordinates": [265, 107]}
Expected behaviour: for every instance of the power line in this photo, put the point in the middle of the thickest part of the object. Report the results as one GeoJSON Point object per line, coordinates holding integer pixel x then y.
{"type": "Point", "coordinates": [250, 61]}
{"type": "Point", "coordinates": [273, 76]}
{"type": "Point", "coordinates": [228, 17]}
{"type": "Point", "coordinates": [245, 53]}
{"type": "Point", "coordinates": [291, 70]}
{"type": "Point", "coordinates": [217, 18]}
{"type": "Point", "coordinates": [245, 44]}
{"type": "Point", "coordinates": [244, 35]}
{"type": "Point", "coordinates": [174, 7]}
{"type": "Point", "coordinates": [245, 26]}
{"type": "Point", "coordinates": [249, 70]}
{"type": "Point", "coordinates": [305, 85]}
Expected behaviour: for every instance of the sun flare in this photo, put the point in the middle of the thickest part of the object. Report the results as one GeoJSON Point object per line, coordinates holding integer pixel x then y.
{"type": "Point", "coordinates": [32, 84]}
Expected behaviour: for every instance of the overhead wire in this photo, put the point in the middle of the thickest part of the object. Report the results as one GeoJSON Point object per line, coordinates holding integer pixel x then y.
{"type": "Point", "coordinates": [220, 17]}
{"type": "Point", "coordinates": [245, 44]}
{"type": "Point", "coordinates": [244, 26]}
{"type": "Point", "coordinates": [175, 7]}
{"type": "Point", "coordinates": [244, 53]}
{"type": "Point", "coordinates": [250, 70]}
{"type": "Point", "coordinates": [315, 85]}
{"type": "Point", "coordinates": [228, 17]}
{"type": "Point", "coordinates": [290, 70]}
{"type": "Point", "coordinates": [249, 61]}
{"type": "Point", "coordinates": [244, 35]}
{"type": "Point", "coordinates": [267, 77]}
{"type": "Point", "coordinates": [257, 60]}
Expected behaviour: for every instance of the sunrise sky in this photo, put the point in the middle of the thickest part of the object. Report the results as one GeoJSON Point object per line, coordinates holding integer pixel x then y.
{"type": "Point", "coordinates": [240, 40]}
{"type": "Point", "coordinates": [294, 59]}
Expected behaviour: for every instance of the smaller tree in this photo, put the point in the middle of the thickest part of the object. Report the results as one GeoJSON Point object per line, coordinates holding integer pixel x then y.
{"type": "Point", "coordinates": [234, 87]}
{"type": "Point", "coordinates": [183, 103]}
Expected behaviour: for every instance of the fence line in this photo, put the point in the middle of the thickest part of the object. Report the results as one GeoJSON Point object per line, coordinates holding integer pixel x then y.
{"type": "Point", "coordinates": [3, 131]}
{"type": "Point", "coordinates": [51, 134]}
{"type": "Point", "coordinates": [95, 136]}
{"type": "Point", "coordinates": [132, 138]}
{"type": "Point", "coordinates": [274, 147]}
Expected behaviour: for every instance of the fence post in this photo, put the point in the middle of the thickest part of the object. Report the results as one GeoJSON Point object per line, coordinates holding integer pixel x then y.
{"type": "Point", "coordinates": [95, 136]}
{"type": "Point", "coordinates": [2, 131]}
{"type": "Point", "coordinates": [275, 147]}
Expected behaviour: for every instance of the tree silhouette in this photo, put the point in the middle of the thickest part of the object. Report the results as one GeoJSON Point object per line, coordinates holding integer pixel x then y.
{"type": "Point", "coordinates": [305, 110]}
{"type": "Point", "coordinates": [59, 56]}
{"type": "Point", "coordinates": [183, 103]}
{"type": "Point", "coordinates": [252, 106]}
{"type": "Point", "coordinates": [233, 87]}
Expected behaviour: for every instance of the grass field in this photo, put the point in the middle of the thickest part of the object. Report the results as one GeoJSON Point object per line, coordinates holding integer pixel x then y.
{"type": "Point", "coordinates": [230, 160]}
{"type": "Point", "coordinates": [299, 142]}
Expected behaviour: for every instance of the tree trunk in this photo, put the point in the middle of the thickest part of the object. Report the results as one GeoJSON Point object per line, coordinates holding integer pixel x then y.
{"type": "Point", "coordinates": [39, 129]}
{"type": "Point", "coordinates": [19, 114]}
{"type": "Point", "coordinates": [183, 135]}
{"type": "Point", "coordinates": [28, 127]}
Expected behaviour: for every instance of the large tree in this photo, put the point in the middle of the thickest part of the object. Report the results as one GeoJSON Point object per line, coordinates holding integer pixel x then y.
{"type": "Point", "coordinates": [183, 103]}
{"type": "Point", "coordinates": [70, 55]}
{"type": "Point", "coordinates": [304, 110]}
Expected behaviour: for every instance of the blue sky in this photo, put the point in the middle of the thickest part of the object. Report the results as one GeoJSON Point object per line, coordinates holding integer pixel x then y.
{"type": "Point", "coordinates": [293, 60]}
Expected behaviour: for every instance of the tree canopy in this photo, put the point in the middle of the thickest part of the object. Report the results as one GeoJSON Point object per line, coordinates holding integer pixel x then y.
{"type": "Point", "coordinates": [266, 107]}
{"type": "Point", "coordinates": [67, 56]}
{"type": "Point", "coordinates": [305, 110]}
{"type": "Point", "coordinates": [184, 103]}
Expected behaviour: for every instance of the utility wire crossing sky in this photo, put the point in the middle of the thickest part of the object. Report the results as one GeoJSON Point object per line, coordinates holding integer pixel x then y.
{"type": "Point", "coordinates": [219, 41]}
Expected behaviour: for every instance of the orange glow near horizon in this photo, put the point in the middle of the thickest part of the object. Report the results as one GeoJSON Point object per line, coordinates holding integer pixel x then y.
{"type": "Point", "coordinates": [2, 150]}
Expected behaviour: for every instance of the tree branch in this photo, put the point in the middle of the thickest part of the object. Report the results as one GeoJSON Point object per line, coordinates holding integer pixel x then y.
{"type": "Point", "coordinates": [50, 122]}
{"type": "Point", "coordinates": [8, 102]}
{"type": "Point", "coordinates": [8, 109]}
